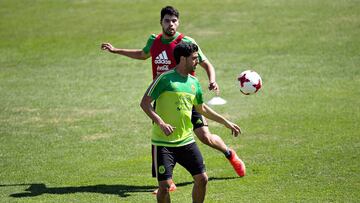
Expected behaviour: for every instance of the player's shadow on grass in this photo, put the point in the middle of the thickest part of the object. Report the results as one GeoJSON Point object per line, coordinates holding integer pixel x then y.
{"type": "Point", "coordinates": [37, 189]}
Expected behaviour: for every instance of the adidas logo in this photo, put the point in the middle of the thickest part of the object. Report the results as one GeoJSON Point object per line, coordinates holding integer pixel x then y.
{"type": "Point", "coordinates": [199, 121]}
{"type": "Point", "coordinates": [162, 58]}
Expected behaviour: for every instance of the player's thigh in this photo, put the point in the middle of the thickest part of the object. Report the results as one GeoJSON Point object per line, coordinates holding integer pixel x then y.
{"type": "Point", "coordinates": [164, 162]}
{"type": "Point", "coordinates": [197, 119]}
{"type": "Point", "coordinates": [203, 133]}
{"type": "Point", "coordinates": [191, 159]}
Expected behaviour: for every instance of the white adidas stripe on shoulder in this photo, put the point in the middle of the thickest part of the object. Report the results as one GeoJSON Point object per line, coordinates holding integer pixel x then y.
{"type": "Point", "coordinates": [156, 81]}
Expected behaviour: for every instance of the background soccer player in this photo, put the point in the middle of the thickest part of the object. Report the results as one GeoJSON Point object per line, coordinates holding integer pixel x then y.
{"type": "Point", "coordinates": [160, 48]}
{"type": "Point", "coordinates": [176, 92]}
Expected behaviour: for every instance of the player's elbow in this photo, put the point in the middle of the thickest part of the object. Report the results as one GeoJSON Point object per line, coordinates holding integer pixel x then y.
{"type": "Point", "coordinates": [200, 109]}
{"type": "Point", "coordinates": [142, 104]}
{"type": "Point", "coordinates": [139, 57]}
{"type": "Point", "coordinates": [206, 64]}
{"type": "Point", "coordinates": [143, 55]}
{"type": "Point", "coordinates": [145, 103]}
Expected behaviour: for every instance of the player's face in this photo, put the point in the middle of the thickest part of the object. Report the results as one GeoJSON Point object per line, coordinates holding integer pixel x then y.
{"type": "Point", "coordinates": [169, 25]}
{"type": "Point", "coordinates": [192, 61]}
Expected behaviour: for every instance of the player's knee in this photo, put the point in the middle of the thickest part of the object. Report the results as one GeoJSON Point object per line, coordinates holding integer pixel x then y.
{"type": "Point", "coordinates": [164, 189]}
{"type": "Point", "coordinates": [202, 180]}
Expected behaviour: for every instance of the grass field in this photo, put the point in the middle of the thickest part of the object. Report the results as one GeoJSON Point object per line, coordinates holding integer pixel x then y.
{"type": "Point", "coordinates": [71, 129]}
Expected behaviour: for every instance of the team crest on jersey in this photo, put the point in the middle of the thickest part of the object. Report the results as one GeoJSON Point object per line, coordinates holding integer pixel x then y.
{"type": "Point", "coordinates": [174, 85]}
{"type": "Point", "coordinates": [193, 87]}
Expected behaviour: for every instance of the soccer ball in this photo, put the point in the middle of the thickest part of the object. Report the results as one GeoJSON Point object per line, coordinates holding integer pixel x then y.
{"type": "Point", "coordinates": [250, 82]}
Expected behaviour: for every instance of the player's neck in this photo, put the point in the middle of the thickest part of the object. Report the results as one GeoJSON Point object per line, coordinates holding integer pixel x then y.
{"type": "Point", "coordinates": [168, 37]}
{"type": "Point", "coordinates": [181, 70]}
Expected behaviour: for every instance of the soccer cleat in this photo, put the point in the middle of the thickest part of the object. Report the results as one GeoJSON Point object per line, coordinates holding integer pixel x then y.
{"type": "Point", "coordinates": [237, 164]}
{"type": "Point", "coordinates": [171, 189]}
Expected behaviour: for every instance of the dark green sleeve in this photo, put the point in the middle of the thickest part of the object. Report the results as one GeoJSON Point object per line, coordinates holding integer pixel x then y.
{"type": "Point", "coordinates": [199, 94]}
{"type": "Point", "coordinates": [202, 56]}
{"type": "Point", "coordinates": [149, 43]}
{"type": "Point", "coordinates": [157, 87]}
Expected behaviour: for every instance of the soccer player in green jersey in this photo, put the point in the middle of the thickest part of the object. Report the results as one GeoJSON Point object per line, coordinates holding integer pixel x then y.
{"type": "Point", "coordinates": [160, 48]}
{"type": "Point", "coordinates": [175, 93]}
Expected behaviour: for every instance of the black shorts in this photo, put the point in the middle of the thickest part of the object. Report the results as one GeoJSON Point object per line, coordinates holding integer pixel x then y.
{"type": "Point", "coordinates": [165, 159]}
{"type": "Point", "coordinates": [197, 119]}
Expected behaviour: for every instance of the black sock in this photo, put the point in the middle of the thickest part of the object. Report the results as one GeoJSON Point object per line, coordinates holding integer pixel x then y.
{"type": "Point", "coordinates": [227, 153]}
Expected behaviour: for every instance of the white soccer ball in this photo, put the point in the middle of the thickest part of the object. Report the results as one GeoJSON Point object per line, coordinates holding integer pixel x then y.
{"type": "Point", "coordinates": [250, 82]}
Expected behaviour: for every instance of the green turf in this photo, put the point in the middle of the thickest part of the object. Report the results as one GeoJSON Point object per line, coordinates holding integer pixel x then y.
{"type": "Point", "coordinates": [71, 129]}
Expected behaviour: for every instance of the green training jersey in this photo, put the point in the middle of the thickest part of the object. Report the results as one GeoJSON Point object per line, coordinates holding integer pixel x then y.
{"type": "Point", "coordinates": [188, 39]}
{"type": "Point", "coordinates": [175, 96]}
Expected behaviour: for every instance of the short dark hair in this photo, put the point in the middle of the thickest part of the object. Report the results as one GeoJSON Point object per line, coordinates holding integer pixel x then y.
{"type": "Point", "coordinates": [169, 10]}
{"type": "Point", "coordinates": [184, 49]}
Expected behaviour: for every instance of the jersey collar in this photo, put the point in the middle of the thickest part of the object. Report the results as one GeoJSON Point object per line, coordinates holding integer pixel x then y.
{"type": "Point", "coordinates": [168, 41]}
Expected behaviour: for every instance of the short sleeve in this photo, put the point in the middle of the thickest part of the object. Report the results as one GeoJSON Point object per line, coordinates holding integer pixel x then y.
{"type": "Point", "coordinates": [199, 94]}
{"type": "Point", "coordinates": [149, 43]}
{"type": "Point", "coordinates": [202, 56]}
{"type": "Point", "coordinates": [157, 87]}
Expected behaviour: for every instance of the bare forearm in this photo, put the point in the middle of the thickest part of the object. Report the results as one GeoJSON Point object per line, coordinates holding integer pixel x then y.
{"type": "Point", "coordinates": [132, 53]}
{"type": "Point", "coordinates": [210, 114]}
{"type": "Point", "coordinates": [149, 110]}
{"type": "Point", "coordinates": [210, 70]}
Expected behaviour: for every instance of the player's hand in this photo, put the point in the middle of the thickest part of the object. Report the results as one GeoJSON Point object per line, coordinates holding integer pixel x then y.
{"type": "Point", "coordinates": [167, 128]}
{"type": "Point", "coordinates": [235, 129]}
{"type": "Point", "coordinates": [215, 87]}
{"type": "Point", "coordinates": [107, 46]}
